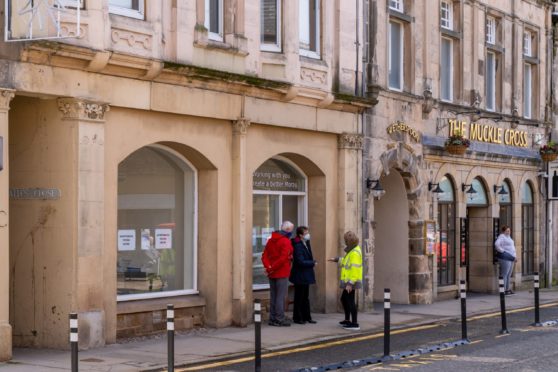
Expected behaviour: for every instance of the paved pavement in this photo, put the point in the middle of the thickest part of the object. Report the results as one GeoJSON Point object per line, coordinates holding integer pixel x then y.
{"type": "Point", "coordinates": [203, 345]}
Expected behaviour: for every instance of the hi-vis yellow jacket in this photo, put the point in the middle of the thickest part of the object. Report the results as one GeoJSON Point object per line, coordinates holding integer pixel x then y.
{"type": "Point", "coordinates": [351, 268]}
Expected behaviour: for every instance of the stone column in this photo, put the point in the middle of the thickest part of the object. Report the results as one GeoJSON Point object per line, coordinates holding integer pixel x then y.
{"type": "Point", "coordinates": [349, 197]}
{"type": "Point", "coordinates": [88, 118]}
{"type": "Point", "coordinates": [240, 202]}
{"type": "Point", "coordinates": [6, 96]}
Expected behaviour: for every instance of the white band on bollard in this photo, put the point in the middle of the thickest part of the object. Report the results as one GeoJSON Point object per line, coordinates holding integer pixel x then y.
{"type": "Point", "coordinates": [502, 289]}
{"type": "Point", "coordinates": [170, 313]}
{"type": "Point", "coordinates": [73, 337]}
{"type": "Point", "coordinates": [387, 305]}
{"type": "Point", "coordinates": [257, 306]}
{"type": "Point", "coordinates": [257, 318]}
{"type": "Point", "coordinates": [536, 284]}
{"type": "Point", "coordinates": [387, 295]}
{"type": "Point", "coordinates": [462, 294]}
{"type": "Point", "coordinates": [73, 323]}
{"type": "Point", "coordinates": [170, 326]}
{"type": "Point", "coordinates": [501, 281]}
{"type": "Point", "coordinates": [536, 278]}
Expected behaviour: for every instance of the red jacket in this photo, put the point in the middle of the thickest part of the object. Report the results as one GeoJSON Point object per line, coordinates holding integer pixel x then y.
{"type": "Point", "coordinates": [277, 256]}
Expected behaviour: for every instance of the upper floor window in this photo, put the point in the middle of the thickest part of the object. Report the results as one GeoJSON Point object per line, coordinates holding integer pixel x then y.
{"type": "Point", "coordinates": [214, 19]}
{"type": "Point", "coordinates": [309, 27]}
{"type": "Point", "coordinates": [395, 55]}
{"type": "Point", "coordinates": [491, 30]}
{"type": "Point", "coordinates": [396, 5]}
{"type": "Point", "coordinates": [490, 76]}
{"type": "Point", "coordinates": [446, 15]}
{"type": "Point", "coordinates": [270, 15]}
{"type": "Point", "coordinates": [527, 44]}
{"type": "Point", "coordinates": [446, 70]}
{"type": "Point", "coordinates": [128, 8]}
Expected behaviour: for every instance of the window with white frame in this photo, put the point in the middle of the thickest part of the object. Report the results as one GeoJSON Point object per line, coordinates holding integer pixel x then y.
{"type": "Point", "coordinates": [395, 55]}
{"type": "Point", "coordinates": [396, 5]}
{"type": "Point", "coordinates": [446, 70]}
{"type": "Point", "coordinates": [309, 28]}
{"type": "Point", "coordinates": [214, 19]}
{"type": "Point", "coordinates": [527, 44]}
{"type": "Point", "coordinates": [490, 81]}
{"type": "Point", "coordinates": [491, 30]}
{"type": "Point", "coordinates": [128, 8]}
{"type": "Point", "coordinates": [446, 15]}
{"type": "Point", "coordinates": [527, 90]}
{"type": "Point", "coordinates": [270, 14]}
{"type": "Point", "coordinates": [279, 195]}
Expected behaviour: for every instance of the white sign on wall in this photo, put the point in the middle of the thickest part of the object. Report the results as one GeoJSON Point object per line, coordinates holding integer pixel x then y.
{"type": "Point", "coordinates": [553, 180]}
{"type": "Point", "coordinates": [126, 240]}
{"type": "Point", "coordinates": [163, 238]}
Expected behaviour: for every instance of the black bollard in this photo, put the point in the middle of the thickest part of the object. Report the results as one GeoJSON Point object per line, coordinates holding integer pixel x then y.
{"type": "Point", "coordinates": [258, 335]}
{"type": "Point", "coordinates": [536, 290]}
{"type": "Point", "coordinates": [170, 337]}
{"type": "Point", "coordinates": [463, 294]}
{"type": "Point", "coordinates": [503, 307]}
{"type": "Point", "coordinates": [387, 307]}
{"type": "Point", "coordinates": [74, 340]}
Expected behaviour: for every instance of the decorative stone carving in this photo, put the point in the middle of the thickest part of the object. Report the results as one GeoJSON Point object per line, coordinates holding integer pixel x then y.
{"type": "Point", "coordinates": [240, 126]}
{"type": "Point", "coordinates": [428, 103]}
{"type": "Point", "coordinates": [78, 109]}
{"type": "Point", "coordinates": [313, 76]}
{"type": "Point", "coordinates": [69, 29]}
{"type": "Point", "coordinates": [133, 39]}
{"type": "Point", "coordinates": [476, 98]}
{"type": "Point", "coordinates": [6, 96]}
{"type": "Point", "coordinates": [350, 141]}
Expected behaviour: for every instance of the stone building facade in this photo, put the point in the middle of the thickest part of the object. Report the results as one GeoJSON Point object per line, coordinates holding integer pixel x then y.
{"type": "Point", "coordinates": [147, 160]}
{"type": "Point", "coordinates": [437, 68]}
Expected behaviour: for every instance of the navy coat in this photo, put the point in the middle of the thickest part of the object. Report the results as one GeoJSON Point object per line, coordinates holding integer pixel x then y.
{"type": "Point", "coordinates": [302, 271]}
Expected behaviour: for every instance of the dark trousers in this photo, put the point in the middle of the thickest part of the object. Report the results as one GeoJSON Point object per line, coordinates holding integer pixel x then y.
{"type": "Point", "coordinates": [278, 293]}
{"type": "Point", "coordinates": [301, 309]}
{"type": "Point", "coordinates": [349, 305]}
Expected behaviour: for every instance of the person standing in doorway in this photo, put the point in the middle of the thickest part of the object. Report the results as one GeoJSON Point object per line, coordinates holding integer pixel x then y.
{"type": "Point", "coordinates": [350, 280]}
{"type": "Point", "coordinates": [506, 256]}
{"type": "Point", "coordinates": [276, 258]}
{"type": "Point", "coordinates": [302, 275]}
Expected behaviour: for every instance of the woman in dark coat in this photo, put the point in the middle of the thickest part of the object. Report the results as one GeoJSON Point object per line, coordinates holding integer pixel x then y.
{"type": "Point", "coordinates": [302, 275]}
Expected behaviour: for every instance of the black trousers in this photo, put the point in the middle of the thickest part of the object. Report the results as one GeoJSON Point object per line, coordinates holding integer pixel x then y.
{"type": "Point", "coordinates": [349, 305]}
{"type": "Point", "coordinates": [301, 309]}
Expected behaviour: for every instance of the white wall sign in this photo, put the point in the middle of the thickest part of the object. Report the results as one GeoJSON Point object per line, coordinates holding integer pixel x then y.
{"type": "Point", "coordinates": [163, 238]}
{"type": "Point", "coordinates": [126, 240]}
{"type": "Point", "coordinates": [553, 180]}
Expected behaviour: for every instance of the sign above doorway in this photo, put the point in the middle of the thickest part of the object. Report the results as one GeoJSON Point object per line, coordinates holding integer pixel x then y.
{"type": "Point", "coordinates": [489, 133]}
{"type": "Point", "coordinates": [400, 127]}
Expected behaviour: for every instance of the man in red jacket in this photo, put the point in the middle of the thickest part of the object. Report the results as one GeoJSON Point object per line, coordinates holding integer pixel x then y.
{"type": "Point", "coordinates": [276, 258]}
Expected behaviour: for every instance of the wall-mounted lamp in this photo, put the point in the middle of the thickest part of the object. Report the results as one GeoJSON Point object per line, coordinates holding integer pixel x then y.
{"type": "Point", "coordinates": [470, 190]}
{"type": "Point", "coordinates": [435, 190]}
{"type": "Point", "coordinates": [375, 188]}
{"type": "Point", "coordinates": [502, 190]}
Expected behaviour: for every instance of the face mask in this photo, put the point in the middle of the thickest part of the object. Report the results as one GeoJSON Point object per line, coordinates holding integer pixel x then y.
{"type": "Point", "coordinates": [307, 237]}
{"type": "Point", "coordinates": [287, 233]}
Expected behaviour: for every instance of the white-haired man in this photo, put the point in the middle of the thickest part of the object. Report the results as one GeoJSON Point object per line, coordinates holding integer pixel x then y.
{"type": "Point", "coordinates": [277, 257]}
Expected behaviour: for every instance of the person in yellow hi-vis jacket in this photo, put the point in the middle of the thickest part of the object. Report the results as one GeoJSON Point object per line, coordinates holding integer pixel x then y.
{"type": "Point", "coordinates": [350, 279]}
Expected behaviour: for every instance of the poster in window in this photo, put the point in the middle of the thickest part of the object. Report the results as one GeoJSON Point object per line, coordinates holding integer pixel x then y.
{"type": "Point", "coordinates": [266, 234]}
{"type": "Point", "coordinates": [163, 238]}
{"type": "Point", "coordinates": [126, 240]}
{"type": "Point", "coordinates": [430, 237]}
{"type": "Point", "coordinates": [553, 180]}
{"type": "Point", "coordinates": [145, 239]}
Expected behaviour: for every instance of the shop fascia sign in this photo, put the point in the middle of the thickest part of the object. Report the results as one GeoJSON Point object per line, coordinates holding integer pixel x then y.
{"type": "Point", "coordinates": [489, 133]}
{"type": "Point", "coordinates": [404, 128]}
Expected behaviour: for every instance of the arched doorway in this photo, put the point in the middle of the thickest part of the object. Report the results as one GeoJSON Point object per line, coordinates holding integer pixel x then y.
{"type": "Point", "coordinates": [391, 253]}
{"type": "Point", "coordinates": [157, 232]}
{"type": "Point", "coordinates": [445, 250]}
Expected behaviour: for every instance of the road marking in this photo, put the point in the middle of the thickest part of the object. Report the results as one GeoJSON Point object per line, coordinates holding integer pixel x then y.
{"type": "Point", "coordinates": [475, 342]}
{"type": "Point", "coordinates": [484, 359]}
{"type": "Point", "coordinates": [492, 315]}
{"type": "Point", "coordinates": [383, 368]}
{"type": "Point", "coordinates": [504, 335]}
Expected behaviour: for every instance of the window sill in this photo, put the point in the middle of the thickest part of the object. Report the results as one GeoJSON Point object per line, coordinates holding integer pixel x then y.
{"type": "Point", "coordinates": [234, 44]}
{"type": "Point", "coordinates": [313, 61]}
{"type": "Point", "coordinates": [154, 304]}
{"type": "Point", "coordinates": [495, 48]}
{"type": "Point", "coordinates": [401, 16]}
{"type": "Point", "coordinates": [531, 60]}
{"type": "Point", "coordinates": [450, 33]}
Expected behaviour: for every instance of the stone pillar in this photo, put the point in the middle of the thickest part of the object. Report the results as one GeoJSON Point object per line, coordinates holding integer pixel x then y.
{"type": "Point", "coordinates": [349, 177]}
{"type": "Point", "coordinates": [6, 96]}
{"type": "Point", "coordinates": [88, 118]}
{"type": "Point", "coordinates": [420, 266]}
{"type": "Point", "coordinates": [240, 202]}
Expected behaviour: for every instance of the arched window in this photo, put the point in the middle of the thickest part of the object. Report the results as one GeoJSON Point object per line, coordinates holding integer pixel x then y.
{"type": "Point", "coordinates": [279, 195]}
{"type": "Point", "coordinates": [479, 196]}
{"type": "Point", "coordinates": [505, 200]}
{"type": "Point", "coordinates": [445, 249]}
{"type": "Point", "coordinates": [156, 225]}
{"type": "Point", "coordinates": [528, 229]}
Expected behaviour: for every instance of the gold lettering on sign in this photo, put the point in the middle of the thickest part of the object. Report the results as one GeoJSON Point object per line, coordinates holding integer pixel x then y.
{"type": "Point", "coordinates": [488, 133]}
{"type": "Point", "coordinates": [404, 128]}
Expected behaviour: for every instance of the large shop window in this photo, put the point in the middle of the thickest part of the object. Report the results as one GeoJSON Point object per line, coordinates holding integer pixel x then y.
{"type": "Point", "coordinates": [128, 8]}
{"type": "Point", "coordinates": [270, 25]}
{"type": "Point", "coordinates": [156, 225]}
{"type": "Point", "coordinates": [309, 26]}
{"type": "Point", "coordinates": [279, 195]}
{"type": "Point", "coordinates": [445, 251]}
{"type": "Point", "coordinates": [528, 230]}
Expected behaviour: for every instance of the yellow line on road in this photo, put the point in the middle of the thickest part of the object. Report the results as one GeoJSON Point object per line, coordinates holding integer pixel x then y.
{"type": "Point", "coordinates": [492, 315]}
{"type": "Point", "coordinates": [504, 335]}
{"type": "Point", "coordinates": [475, 342]}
